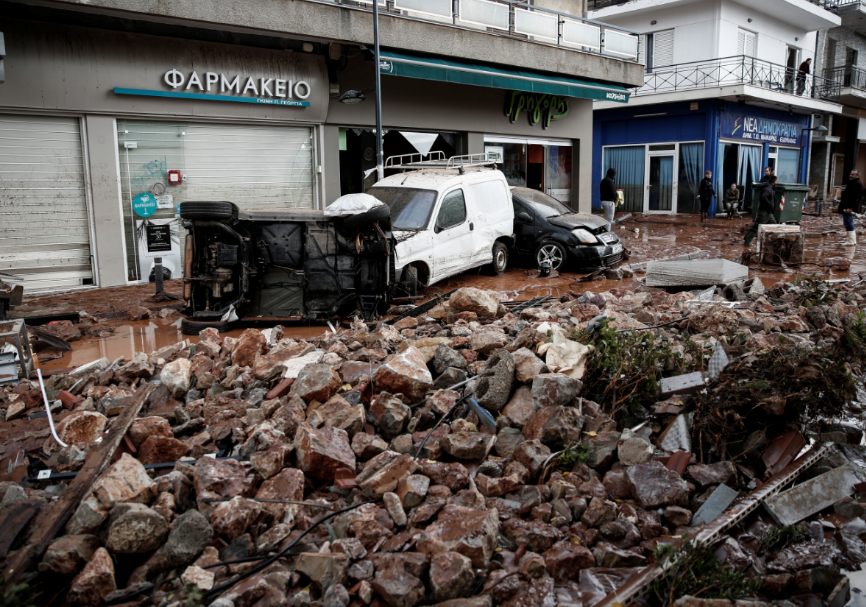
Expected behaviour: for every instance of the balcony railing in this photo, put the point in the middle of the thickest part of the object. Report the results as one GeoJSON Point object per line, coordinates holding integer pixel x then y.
{"type": "Point", "coordinates": [830, 5]}
{"type": "Point", "coordinates": [738, 70]}
{"type": "Point", "coordinates": [847, 76]}
{"type": "Point", "coordinates": [514, 20]}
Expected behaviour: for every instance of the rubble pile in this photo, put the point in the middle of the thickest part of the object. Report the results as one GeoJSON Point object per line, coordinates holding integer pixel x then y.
{"type": "Point", "coordinates": [470, 456]}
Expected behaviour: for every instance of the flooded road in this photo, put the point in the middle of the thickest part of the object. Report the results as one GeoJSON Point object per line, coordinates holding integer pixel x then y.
{"type": "Point", "coordinates": [648, 238]}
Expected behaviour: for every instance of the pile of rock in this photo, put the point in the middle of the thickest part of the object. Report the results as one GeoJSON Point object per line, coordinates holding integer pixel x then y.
{"type": "Point", "coordinates": [250, 441]}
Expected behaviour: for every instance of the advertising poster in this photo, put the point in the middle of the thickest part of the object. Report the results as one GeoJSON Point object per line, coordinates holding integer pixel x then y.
{"type": "Point", "coordinates": [159, 238]}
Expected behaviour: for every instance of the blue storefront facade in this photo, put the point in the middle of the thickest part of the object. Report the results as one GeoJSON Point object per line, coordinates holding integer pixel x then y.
{"type": "Point", "coordinates": [660, 152]}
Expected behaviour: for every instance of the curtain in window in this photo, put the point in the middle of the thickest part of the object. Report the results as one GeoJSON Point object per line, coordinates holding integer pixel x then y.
{"type": "Point", "coordinates": [749, 170]}
{"type": "Point", "coordinates": [788, 165]}
{"type": "Point", "coordinates": [666, 183]}
{"type": "Point", "coordinates": [629, 164]}
{"type": "Point", "coordinates": [690, 175]}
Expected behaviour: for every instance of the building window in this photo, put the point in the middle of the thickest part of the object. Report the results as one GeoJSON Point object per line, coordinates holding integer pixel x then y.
{"type": "Point", "coordinates": [788, 167]}
{"type": "Point", "coordinates": [629, 163]}
{"type": "Point", "coordinates": [746, 43]}
{"type": "Point", "coordinates": [657, 50]}
{"type": "Point", "coordinates": [740, 164]}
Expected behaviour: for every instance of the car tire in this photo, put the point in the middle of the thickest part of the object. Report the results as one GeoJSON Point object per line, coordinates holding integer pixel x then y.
{"type": "Point", "coordinates": [208, 210]}
{"type": "Point", "coordinates": [367, 219]}
{"type": "Point", "coordinates": [500, 260]}
{"type": "Point", "coordinates": [410, 280]}
{"type": "Point", "coordinates": [194, 327]}
{"type": "Point", "coordinates": [552, 251]}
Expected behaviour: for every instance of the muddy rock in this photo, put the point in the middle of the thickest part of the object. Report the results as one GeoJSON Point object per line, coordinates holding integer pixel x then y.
{"type": "Point", "coordinates": [472, 533]}
{"type": "Point", "coordinates": [175, 376]}
{"type": "Point", "coordinates": [532, 454]}
{"type": "Point", "coordinates": [366, 446]}
{"type": "Point", "coordinates": [527, 365]}
{"type": "Point", "coordinates": [316, 382]}
{"type": "Point", "coordinates": [231, 519]}
{"type": "Point", "coordinates": [81, 427]}
{"type": "Point", "coordinates": [190, 534]}
{"type": "Point", "coordinates": [125, 481]}
{"type": "Point", "coordinates": [445, 357]}
{"type": "Point", "coordinates": [519, 409]}
{"type": "Point", "coordinates": [554, 389]}
{"type": "Point", "coordinates": [68, 554]}
{"type": "Point", "coordinates": [161, 449]}
{"type": "Point", "coordinates": [398, 587]}
{"type": "Point", "coordinates": [717, 320]}
{"type": "Point", "coordinates": [323, 570]}
{"type": "Point", "coordinates": [451, 576]}
{"type": "Point", "coordinates": [215, 478]}
{"type": "Point", "coordinates": [273, 459]}
{"type": "Point", "coordinates": [389, 415]}
{"type": "Point", "coordinates": [634, 451]}
{"type": "Point", "coordinates": [469, 299]}
{"type": "Point", "coordinates": [599, 512]}
{"type": "Point", "coordinates": [678, 517]}
{"type": "Point", "coordinates": [487, 339]}
{"type": "Point", "coordinates": [721, 473]}
{"type": "Point", "coordinates": [601, 450]}
{"type": "Point", "coordinates": [319, 452]}
{"type": "Point", "coordinates": [611, 557]}
{"type": "Point", "coordinates": [64, 329]}
{"type": "Point", "coordinates": [405, 373]}
{"type": "Point", "coordinates": [494, 383]}
{"type": "Point", "coordinates": [135, 529]}
{"type": "Point", "coordinates": [142, 429]}
{"type": "Point", "coordinates": [655, 486]}
{"type": "Point", "coordinates": [806, 556]}
{"type": "Point", "coordinates": [554, 426]}
{"type": "Point", "coordinates": [507, 442]}
{"type": "Point", "coordinates": [383, 473]}
{"type": "Point", "coordinates": [95, 581]}
{"type": "Point", "coordinates": [468, 445]}
{"type": "Point", "coordinates": [566, 559]}
{"type": "Point", "coordinates": [248, 346]}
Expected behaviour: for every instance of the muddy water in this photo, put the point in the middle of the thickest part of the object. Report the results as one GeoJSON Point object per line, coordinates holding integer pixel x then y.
{"type": "Point", "coordinates": [648, 237]}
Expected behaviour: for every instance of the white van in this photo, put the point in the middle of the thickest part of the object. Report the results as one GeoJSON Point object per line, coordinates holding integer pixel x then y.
{"type": "Point", "coordinates": [448, 216]}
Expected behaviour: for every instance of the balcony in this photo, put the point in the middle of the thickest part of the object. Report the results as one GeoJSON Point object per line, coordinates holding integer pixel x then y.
{"type": "Point", "coordinates": [830, 5]}
{"type": "Point", "coordinates": [512, 19]}
{"type": "Point", "coordinates": [852, 83]}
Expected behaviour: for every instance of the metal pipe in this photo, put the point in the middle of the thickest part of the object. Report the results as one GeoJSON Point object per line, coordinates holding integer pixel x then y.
{"type": "Point", "coordinates": [48, 410]}
{"type": "Point", "coordinates": [380, 152]}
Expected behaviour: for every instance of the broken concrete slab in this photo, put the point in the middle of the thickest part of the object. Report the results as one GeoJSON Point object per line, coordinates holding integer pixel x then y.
{"type": "Point", "coordinates": [719, 501]}
{"type": "Point", "coordinates": [805, 499]}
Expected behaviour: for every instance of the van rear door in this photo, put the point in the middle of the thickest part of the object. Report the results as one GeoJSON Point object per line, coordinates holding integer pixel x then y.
{"type": "Point", "coordinates": [492, 215]}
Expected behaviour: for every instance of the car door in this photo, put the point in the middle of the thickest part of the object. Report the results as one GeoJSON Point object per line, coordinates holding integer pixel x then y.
{"type": "Point", "coordinates": [452, 236]}
{"type": "Point", "coordinates": [525, 228]}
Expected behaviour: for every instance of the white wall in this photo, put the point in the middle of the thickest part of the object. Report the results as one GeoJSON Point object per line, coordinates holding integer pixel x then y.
{"type": "Point", "coordinates": [707, 29]}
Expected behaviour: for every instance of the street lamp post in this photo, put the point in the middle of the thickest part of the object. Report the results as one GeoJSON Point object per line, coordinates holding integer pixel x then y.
{"type": "Point", "coordinates": [380, 153]}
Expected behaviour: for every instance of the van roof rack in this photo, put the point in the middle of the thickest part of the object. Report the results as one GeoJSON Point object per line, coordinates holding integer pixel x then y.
{"type": "Point", "coordinates": [437, 160]}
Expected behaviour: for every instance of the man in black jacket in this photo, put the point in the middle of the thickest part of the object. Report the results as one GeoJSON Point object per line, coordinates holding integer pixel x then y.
{"type": "Point", "coordinates": [766, 208]}
{"type": "Point", "coordinates": [768, 172]}
{"type": "Point", "coordinates": [850, 204]}
{"type": "Point", "coordinates": [608, 195]}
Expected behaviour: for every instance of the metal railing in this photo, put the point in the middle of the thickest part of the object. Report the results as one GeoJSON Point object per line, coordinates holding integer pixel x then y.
{"type": "Point", "coordinates": [738, 70]}
{"type": "Point", "coordinates": [512, 19]}
{"type": "Point", "coordinates": [830, 5]}
{"type": "Point", "coordinates": [847, 76]}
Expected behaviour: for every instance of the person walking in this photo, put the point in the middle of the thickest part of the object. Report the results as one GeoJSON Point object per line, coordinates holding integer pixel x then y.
{"type": "Point", "coordinates": [608, 195]}
{"type": "Point", "coordinates": [768, 171]}
{"type": "Point", "coordinates": [850, 204]}
{"type": "Point", "coordinates": [732, 200]}
{"type": "Point", "coordinates": [766, 207]}
{"type": "Point", "coordinates": [802, 73]}
{"type": "Point", "coordinates": [706, 193]}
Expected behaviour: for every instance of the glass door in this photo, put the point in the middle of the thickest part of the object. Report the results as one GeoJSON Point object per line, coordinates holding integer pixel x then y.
{"type": "Point", "coordinates": [661, 183]}
{"type": "Point", "coordinates": [557, 164]}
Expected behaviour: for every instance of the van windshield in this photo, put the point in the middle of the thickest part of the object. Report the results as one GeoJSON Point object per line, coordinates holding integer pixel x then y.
{"type": "Point", "coordinates": [410, 207]}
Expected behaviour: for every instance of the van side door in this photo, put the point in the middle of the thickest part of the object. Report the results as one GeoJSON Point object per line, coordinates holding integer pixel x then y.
{"type": "Point", "coordinates": [452, 236]}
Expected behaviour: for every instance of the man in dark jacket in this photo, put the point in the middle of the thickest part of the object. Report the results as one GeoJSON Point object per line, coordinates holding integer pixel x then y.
{"type": "Point", "coordinates": [768, 172]}
{"type": "Point", "coordinates": [850, 204]}
{"type": "Point", "coordinates": [608, 195]}
{"type": "Point", "coordinates": [803, 73]}
{"type": "Point", "coordinates": [766, 207]}
{"type": "Point", "coordinates": [706, 193]}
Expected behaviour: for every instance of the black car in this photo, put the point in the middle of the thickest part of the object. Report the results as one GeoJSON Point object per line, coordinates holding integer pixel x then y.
{"type": "Point", "coordinates": [548, 230]}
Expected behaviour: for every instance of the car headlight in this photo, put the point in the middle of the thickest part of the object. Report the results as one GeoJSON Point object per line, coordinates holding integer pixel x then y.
{"type": "Point", "coordinates": [584, 236]}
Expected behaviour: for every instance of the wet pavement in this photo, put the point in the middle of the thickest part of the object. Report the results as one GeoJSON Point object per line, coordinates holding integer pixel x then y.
{"type": "Point", "coordinates": [648, 238]}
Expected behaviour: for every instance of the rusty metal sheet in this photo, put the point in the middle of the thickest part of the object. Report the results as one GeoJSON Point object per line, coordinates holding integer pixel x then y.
{"type": "Point", "coordinates": [795, 504]}
{"type": "Point", "coordinates": [678, 462]}
{"type": "Point", "coordinates": [639, 583]}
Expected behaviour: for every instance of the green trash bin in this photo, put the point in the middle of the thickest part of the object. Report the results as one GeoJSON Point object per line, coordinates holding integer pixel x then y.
{"type": "Point", "coordinates": [790, 198]}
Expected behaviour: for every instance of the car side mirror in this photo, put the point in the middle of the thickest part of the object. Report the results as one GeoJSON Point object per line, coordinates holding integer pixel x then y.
{"type": "Point", "coordinates": [437, 228]}
{"type": "Point", "coordinates": [524, 217]}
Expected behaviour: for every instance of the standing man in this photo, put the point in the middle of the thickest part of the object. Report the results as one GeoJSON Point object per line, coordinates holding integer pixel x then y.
{"type": "Point", "coordinates": [802, 72]}
{"type": "Point", "coordinates": [766, 207]}
{"type": "Point", "coordinates": [850, 204]}
{"type": "Point", "coordinates": [768, 171]}
{"type": "Point", "coordinates": [608, 195]}
{"type": "Point", "coordinates": [706, 193]}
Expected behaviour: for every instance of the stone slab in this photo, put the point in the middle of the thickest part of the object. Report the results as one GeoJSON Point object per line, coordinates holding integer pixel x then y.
{"type": "Point", "coordinates": [719, 501]}
{"type": "Point", "coordinates": [795, 504]}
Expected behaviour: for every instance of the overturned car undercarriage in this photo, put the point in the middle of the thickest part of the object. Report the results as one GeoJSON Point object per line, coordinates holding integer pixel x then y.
{"type": "Point", "coordinates": [277, 265]}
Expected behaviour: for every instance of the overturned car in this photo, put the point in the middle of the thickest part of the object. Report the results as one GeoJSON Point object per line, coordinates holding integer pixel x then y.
{"type": "Point", "coordinates": [269, 266]}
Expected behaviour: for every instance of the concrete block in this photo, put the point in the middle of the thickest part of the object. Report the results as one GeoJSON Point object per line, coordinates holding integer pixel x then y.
{"type": "Point", "coordinates": [690, 383]}
{"type": "Point", "coordinates": [805, 499]}
{"type": "Point", "coordinates": [779, 244]}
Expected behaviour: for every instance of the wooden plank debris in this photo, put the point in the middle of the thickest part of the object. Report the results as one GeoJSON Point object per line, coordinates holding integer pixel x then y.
{"type": "Point", "coordinates": [78, 488]}
{"type": "Point", "coordinates": [694, 273]}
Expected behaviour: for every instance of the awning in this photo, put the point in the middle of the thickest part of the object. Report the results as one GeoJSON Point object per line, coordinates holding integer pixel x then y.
{"type": "Point", "coordinates": [477, 74]}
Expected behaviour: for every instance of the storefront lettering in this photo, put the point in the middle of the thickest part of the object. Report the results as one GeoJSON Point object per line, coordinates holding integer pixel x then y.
{"type": "Point", "coordinates": [539, 107]}
{"type": "Point", "coordinates": [752, 128]}
{"type": "Point", "coordinates": [262, 87]}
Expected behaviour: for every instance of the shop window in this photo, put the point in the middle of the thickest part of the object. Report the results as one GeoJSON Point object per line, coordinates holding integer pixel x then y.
{"type": "Point", "coordinates": [514, 163]}
{"type": "Point", "coordinates": [788, 167]}
{"type": "Point", "coordinates": [629, 163]}
{"type": "Point", "coordinates": [453, 210]}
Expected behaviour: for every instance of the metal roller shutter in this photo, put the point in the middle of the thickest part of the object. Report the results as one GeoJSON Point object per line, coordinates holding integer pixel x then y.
{"type": "Point", "coordinates": [44, 221]}
{"type": "Point", "coordinates": [255, 167]}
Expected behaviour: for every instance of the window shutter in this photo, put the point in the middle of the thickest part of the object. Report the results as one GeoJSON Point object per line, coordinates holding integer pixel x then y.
{"type": "Point", "coordinates": [641, 53]}
{"type": "Point", "coordinates": [663, 48]}
{"type": "Point", "coordinates": [746, 43]}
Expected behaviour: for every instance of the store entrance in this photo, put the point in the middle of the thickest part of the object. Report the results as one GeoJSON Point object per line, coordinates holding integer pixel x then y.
{"type": "Point", "coordinates": [545, 166]}
{"type": "Point", "coordinates": [358, 153]}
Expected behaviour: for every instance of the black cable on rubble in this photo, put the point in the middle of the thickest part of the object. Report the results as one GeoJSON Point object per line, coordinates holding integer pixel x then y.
{"type": "Point", "coordinates": [441, 419]}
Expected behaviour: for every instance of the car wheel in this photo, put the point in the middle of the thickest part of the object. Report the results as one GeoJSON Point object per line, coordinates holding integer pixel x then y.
{"type": "Point", "coordinates": [364, 220]}
{"type": "Point", "coordinates": [551, 252]}
{"type": "Point", "coordinates": [410, 280]}
{"type": "Point", "coordinates": [194, 327]}
{"type": "Point", "coordinates": [208, 210]}
{"type": "Point", "coordinates": [500, 260]}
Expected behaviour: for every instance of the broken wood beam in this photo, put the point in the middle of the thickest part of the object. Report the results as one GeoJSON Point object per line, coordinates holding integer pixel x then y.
{"type": "Point", "coordinates": [77, 489]}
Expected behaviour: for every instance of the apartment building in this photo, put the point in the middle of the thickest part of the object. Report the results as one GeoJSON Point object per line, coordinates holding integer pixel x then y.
{"type": "Point", "coordinates": [723, 91]}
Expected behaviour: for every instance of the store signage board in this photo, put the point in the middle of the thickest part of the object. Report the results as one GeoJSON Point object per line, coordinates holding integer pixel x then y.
{"type": "Point", "coordinates": [763, 130]}
{"type": "Point", "coordinates": [539, 107]}
{"type": "Point", "coordinates": [205, 97]}
{"type": "Point", "coordinates": [144, 204]}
